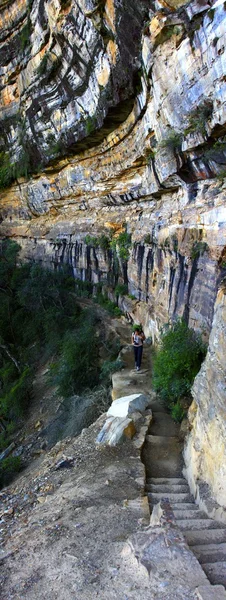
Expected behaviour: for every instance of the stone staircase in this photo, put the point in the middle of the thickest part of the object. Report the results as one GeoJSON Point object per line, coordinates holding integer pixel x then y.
{"type": "Point", "coordinates": [162, 456]}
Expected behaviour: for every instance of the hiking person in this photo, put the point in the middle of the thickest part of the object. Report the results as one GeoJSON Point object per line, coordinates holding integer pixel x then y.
{"type": "Point", "coordinates": [138, 338]}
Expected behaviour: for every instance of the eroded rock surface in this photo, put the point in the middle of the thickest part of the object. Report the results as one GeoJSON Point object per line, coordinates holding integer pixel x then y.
{"type": "Point", "coordinates": [205, 453]}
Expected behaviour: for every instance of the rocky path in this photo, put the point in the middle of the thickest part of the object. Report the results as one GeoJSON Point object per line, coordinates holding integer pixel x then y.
{"type": "Point", "coordinates": [162, 456]}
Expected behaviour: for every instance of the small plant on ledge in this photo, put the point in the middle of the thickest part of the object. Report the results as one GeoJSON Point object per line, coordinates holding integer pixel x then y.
{"type": "Point", "coordinates": [198, 249]}
{"type": "Point", "coordinates": [121, 245]}
{"type": "Point", "coordinates": [173, 141]}
{"type": "Point", "coordinates": [198, 118]}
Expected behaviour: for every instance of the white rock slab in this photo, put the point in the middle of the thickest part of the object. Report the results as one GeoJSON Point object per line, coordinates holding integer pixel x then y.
{"type": "Point", "coordinates": [112, 433]}
{"type": "Point", "coordinates": [125, 406]}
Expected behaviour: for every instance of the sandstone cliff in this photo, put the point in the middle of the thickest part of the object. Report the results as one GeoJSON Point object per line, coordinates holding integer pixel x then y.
{"type": "Point", "coordinates": [113, 118]}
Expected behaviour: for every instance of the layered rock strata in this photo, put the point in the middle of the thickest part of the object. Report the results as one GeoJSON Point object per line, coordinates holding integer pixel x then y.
{"type": "Point", "coordinates": [154, 173]}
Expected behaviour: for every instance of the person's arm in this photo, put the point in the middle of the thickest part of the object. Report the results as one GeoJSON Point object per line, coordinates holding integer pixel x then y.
{"type": "Point", "coordinates": [132, 338]}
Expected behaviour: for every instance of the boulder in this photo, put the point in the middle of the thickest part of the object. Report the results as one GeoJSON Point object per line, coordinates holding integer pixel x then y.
{"type": "Point", "coordinates": [125, 406]}
{"type": "Point", "coordinates": [115, 431]}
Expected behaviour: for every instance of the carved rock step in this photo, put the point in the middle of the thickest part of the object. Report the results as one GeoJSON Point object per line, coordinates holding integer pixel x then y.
{"type": "Point", "coordinates": [168, 488]}
{"type": "Point", "coordinates": [210, 553]}
{"type": "Point", "coordinates": [163, 424]}
{"type": "Point", "coordinates": [190, 512]}
{"type": "Point", "coordinates": [166, 480]}
{"type": "Point", "coordinates": [155, 497]}
{"type": "Point", "coordinates": [197, 524]}
{"type": "Point", "coordinates": [216, 572]}
{"type": "Point", "coordinates": [185, 507]}
{"type": "Point", "coordinates": [161, 440]}
{"type": "Point", "coordinates": [205, 536]}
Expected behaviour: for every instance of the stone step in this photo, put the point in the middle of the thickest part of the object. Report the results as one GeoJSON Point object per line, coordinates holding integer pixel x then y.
{"type": "Point", "coordinates": [161, 440]}
{"type": "Point", "coordinates": [163, 424]}
{"type": "Point", "coordinates": [166, 480]}
{"type": "Point", "coordinates": [216, 572]}
{"type": "Point", "coordinates": [167, 488]}
{"type": "Point", "coordinates": [155, 497]}
{"type": "Point", "coordinates": [185, 506]}
{"type": "Point", "coordinates": [197, 524]}
{"type": "Point", "coordinates": [189, 513]}
{"type": "Point", "coordinates": [210, 552]}
{"type": "Point", "coordinates": [206, 536]}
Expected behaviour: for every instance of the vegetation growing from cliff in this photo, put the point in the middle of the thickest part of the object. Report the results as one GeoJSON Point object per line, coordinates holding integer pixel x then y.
{"type": "Point", "coordinates": [198, 118]}
{"type": "Point", "coordinates": [176, 364]}
{"type": "Point", "coordinates": [172, 141]}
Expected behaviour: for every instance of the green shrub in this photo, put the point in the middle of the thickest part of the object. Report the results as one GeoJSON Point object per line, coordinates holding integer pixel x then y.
{"type": "Point", "coordinates": [177, 362]}
{"type": "Point", "coordinates": [6, 170]}
{"type": "Point", "coordinates": [78, 364]}
{"type": "Point", "coordinates": [8, 468]}
{"type": "Point", "coordinates": [43, 64]}
{"type": "Point", "coordinates": [198, 249]}
{"type": "Point", "coordinates": [109, 367]}
{"type": "Point", "coordinates": [101, 241]}
{"type": "Point", "coordinates": [136, 327]}
{"type": "Point", "coordinates": [177, 412]}
{"type": "Point", "coordinates": [148, 239]}
{"type": "Point", "coordinates": [15, 400]}
{"type": "Point", "coordinates": [173, 141]}
{"type": "Point", "coordinates": [121, 245]}
{"type": "Point", "coordinates": [198, 117]}
{"type": "Point", "coordinates": [210, 13]}
{"type": "Point", "coordinates": [166, 33]}
{"type": "Point", "coordinates": [121, 289]}
{"type": "Point", "coordinates": [110, 306]}
{"type": "Point", "coordinates": [25, 35]}
{"type": "Point", "coordinates": [4, 440]}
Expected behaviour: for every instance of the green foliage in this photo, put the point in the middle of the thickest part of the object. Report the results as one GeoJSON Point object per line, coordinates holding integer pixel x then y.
{"type": "Point", "coordinates": [173, 141]}
{"type": "Point", "coordinates": [17, 393]}
{"type": "Point", "coordinates": [43, 65]}
{"type": "Point", "coordinates": [91, 240]}
{"type": "Point", "coordinates": [36, 307]}
{"type": "Point", "coordinates": [25, 33]}
{"type": "Point", "coordinates": [177, 362]}
{"type": "Point", "coordinates": [102, 241]}
{"type": "Point", "coordinates": [109, 367]}
{"type": "Point", "coordinates": [222, 174]}
{"type": "Point", "coordinates": [177, 412]}
{"type": "Point", "coordinates": [150, 155]}
{"type": "Point", "coordinates": [136, 327]}
{"type": "Point", "coordinates": [210, 13]}
{"type": "Point", "coordinates": [6, 170]}
{"type": "Point", "coordinates": [198, 118]}
{"type": "Point", "coordinates": [83, 288]}
{"type": "Point", "coordinates": [148, 239]}
{"type": "Point", "coordinates": [39, 317]}
{"type": "Point", "coordinates": [78, 364]}
{"type": "Point", "coordinates": [121, 245]}
{"type": "Point", "coordinates": [198, 249]}
{"type": "Point", "coordinates": [132, 297]}
{"type": "Point", "coordinates": [166, 33]}
{"type": "Point", "coordinates": [110, 306]}
{"type": "Point", "coordinates": [8, 468]}
{"type": "Point", "coordinates": [121, 289]}
{"type": "Point", "coordinates": [90, 125]}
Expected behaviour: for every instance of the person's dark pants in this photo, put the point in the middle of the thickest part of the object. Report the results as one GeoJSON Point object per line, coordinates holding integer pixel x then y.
{"type": "Point", "coordinates": [138, 350]}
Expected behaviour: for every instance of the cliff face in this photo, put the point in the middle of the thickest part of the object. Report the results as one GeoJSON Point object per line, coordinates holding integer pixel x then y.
{"type": "Point", "coordinates": [117, 111]}
{"type": "Point", "coordinates": [205, 451]}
